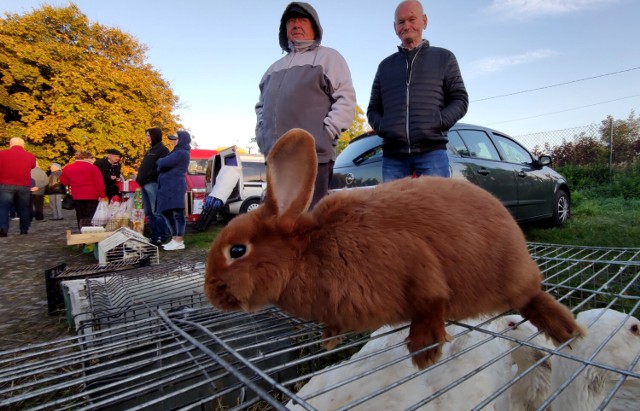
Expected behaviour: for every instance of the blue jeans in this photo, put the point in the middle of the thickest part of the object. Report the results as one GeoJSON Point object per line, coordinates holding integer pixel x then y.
{"type": "Point", "coordinates": [157, 224]}
{"type": "Point", "coordinates": [432, 163]}
{"type": "Point", "coordinates": [20, 197]}
{"type": "Point", "coordinates": [175, 221]}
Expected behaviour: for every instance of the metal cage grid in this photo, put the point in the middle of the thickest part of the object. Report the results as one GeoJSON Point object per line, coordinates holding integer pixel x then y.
{"type": "Point", "coordinates": [144, 345]}
{"type": "Point", "coordinates": [138, 293]}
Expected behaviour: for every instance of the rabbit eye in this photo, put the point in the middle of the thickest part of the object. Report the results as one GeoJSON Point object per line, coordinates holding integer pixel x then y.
{"type": "Point", "coordinates": [237, 251]}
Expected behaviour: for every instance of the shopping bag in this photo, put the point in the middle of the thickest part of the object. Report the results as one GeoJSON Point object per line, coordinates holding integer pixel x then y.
{"type": "Point", "coordinates": [120, 215]}
{"type": "Point", "coordinates": [101, 216]}
{"type": "Point", "coordinates": [67, 202]}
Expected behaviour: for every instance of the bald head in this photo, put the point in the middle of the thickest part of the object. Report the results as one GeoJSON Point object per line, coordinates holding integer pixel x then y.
{"type": "Point", "coordinates": [414, 4]}
{"type": "Point", "coordinates": [16, 141]}
{"type": "Point", "coordinates": [409, 22]}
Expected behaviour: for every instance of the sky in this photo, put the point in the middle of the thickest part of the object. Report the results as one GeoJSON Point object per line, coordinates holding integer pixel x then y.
{"type": "Point", "coordinates": [529, 66]}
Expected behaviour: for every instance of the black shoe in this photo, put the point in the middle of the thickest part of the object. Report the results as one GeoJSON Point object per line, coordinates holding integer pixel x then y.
{"type": "Point", "coordinates": [3, 233]}
{"type": "Point", "coordinates": [24, 232]}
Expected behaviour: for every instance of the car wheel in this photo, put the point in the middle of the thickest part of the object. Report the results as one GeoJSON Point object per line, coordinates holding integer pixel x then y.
{"type": "Point", "coordinates": [561, 209]}
{"type": "Point", "coordinates": [249, 205]}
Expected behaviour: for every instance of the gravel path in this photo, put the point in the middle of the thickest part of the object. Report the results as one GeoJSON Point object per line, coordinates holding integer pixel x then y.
{"type": "Point", "coordinates": [24, 316]}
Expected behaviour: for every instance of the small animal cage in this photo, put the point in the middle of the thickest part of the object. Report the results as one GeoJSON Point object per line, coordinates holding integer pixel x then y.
{"type": "Point", "coordinates": [97, 303]}
{"type": "Point", "coordinates": [184, 354]}
{"type": "Point", "coordinates": [56, 275]}
{"type": "Point", "coordinates": [126, 244]}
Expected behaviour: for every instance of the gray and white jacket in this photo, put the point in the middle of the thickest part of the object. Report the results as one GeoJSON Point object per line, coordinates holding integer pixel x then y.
{"type": "Point", "coordinates": [309, 88]}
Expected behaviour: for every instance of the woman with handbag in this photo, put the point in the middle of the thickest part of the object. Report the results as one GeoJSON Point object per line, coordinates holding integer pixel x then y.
{"type": "Point", "coordinates": [86, 184]}
{"type": "Point", "coordinates": [55, 190]}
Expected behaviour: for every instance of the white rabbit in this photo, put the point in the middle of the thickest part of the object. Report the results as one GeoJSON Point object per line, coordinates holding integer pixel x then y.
{"type": "Point", "coordinates": [454, 365]}
{"type": "Point", "coordinates": [532, 389]}
{"type": "Point", "coordinates": [593, 384]}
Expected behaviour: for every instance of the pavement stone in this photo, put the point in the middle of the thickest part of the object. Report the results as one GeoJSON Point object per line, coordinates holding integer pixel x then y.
{"type": "Point", "coordinates": [24, 317]}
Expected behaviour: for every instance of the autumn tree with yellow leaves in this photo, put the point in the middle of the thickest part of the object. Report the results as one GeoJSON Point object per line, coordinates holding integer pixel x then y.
{"type": "Point", "coordinates": [67, 84]}
{"type": "Point", "coordinates": [358, 126]}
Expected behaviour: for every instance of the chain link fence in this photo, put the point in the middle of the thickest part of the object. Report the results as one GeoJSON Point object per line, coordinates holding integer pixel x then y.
{"type": "Point", "coordinates": [615, 145]}
{"type": "Point", "coordinates": [544, 141]}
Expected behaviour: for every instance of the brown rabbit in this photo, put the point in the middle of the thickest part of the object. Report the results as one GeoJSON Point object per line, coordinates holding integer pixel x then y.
{"type": "Point", "coordinates": [422, 250]}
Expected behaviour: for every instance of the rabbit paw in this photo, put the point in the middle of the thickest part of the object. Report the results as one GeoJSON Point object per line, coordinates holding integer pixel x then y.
{"type": "Point", "coordinates": [333, 342]}
{"type": "Point", "coordinates": [422, 335]}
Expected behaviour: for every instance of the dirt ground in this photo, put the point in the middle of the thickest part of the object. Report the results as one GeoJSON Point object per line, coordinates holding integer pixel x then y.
{"type": "Point", "coordinates": [24, 315]}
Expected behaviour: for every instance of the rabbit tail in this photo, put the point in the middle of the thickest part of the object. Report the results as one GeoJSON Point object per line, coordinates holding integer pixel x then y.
{"type": "Point", "coordinates": [552, 318]}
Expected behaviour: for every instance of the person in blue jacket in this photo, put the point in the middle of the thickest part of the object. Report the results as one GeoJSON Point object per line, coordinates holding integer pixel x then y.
{"type": "Point", "coordinates": [172, 187]}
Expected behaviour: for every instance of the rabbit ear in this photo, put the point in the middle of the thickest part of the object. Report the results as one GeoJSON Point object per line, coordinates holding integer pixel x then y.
{"type": "Point", "coordinates": [292, 166]}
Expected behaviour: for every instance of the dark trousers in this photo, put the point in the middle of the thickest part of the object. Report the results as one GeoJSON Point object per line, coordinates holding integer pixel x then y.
{"type": "Point", "coordinates": [37, 206]}
{"type": "Point", "coordinates": [157, 223]}
{"type": "Point", "coordinates": [111, 190]}
{"type": "Point", "coordinates": [175, 221]}
{"type": "Point", "coordinates": [323, 178]}
{"type": "Point", "coordinates": [20, 197]}
{"type": "Point", "coordinates": [85, 209]}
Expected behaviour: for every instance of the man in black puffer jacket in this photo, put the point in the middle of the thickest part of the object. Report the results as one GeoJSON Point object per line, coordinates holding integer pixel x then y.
{"type": "Point", "coordinates": [148, 179]}
{"type": "Point", "coordinates": [417, 95]}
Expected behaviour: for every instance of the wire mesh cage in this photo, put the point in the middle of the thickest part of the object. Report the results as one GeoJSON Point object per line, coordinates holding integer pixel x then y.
{"type": "Point", "coordinates": [126, 244]}
{"type": "Point", "coordinates": [164, 349]}
{"type": "Point", "coordinates": [98, 303]}
{"type": "Point", "coordinates": [56, 275]}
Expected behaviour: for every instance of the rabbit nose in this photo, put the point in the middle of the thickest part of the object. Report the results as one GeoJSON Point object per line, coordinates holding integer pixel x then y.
{"type": "Point", "coordinates": [237, 251]}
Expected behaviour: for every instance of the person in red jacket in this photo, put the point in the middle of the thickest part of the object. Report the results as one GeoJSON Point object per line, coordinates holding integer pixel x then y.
{"type": "Point", "coordinates": [15, 184]}
{"type": "Point", "coordinates": [86, 185]}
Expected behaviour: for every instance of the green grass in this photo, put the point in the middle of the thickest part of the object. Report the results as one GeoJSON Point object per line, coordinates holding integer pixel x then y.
{"type": "Point", "coordinates": [197, 239]}
{"type": "Point", "coordinates": [595, 221]}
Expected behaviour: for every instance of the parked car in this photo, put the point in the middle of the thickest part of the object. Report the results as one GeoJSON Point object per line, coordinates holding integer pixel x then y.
{"type": "Point", "coordinates": [252, 182]}
{"type": "Point", "coordinates": [526, 185]}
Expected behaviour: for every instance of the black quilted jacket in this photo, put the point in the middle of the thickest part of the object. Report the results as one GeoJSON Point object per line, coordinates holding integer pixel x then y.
{"type": "Point", "coordinates": [412, 110]}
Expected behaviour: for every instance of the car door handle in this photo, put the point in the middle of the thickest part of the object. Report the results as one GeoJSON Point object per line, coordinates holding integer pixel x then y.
{"type": "Point", "coordinates": [483, 171]}
{"type": "Point", "coordinates": [522, 174]}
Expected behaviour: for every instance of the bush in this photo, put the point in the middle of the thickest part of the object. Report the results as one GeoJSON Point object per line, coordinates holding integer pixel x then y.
{"type": "Point", "coordinates": [584, 177]}
{"type": "Point", "coordinates": [594, 181]}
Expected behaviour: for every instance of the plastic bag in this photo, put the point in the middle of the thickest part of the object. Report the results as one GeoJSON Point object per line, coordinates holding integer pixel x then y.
{"type": "Point", "coordinates": [120, 215]}
{"type": "Point", "coordinates": [101, 216]}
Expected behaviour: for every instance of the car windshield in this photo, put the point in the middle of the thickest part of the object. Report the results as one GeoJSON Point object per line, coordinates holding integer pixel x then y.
{"type": "Point", "coordinates": [198, 166]}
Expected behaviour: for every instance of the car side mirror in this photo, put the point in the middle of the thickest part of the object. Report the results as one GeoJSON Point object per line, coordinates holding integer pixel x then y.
{"type": "Point", "coordinates": [544, 160]}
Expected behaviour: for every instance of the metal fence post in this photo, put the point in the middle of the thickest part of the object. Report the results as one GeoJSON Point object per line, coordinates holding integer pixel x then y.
{"type": "Point", "coordinates": [611, 150]}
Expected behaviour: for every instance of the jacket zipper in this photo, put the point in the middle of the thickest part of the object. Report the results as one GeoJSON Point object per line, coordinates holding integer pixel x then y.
{"type": "Point", "coordinates": [406, 123]}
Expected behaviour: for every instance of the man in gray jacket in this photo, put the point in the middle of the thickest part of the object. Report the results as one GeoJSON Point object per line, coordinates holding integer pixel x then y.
{"type": "Point", "coordinates": [309, 88]}
{"type": "Point", "coordinates": [417, 95]}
